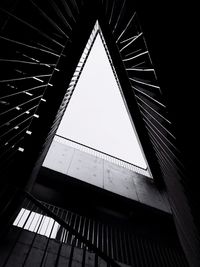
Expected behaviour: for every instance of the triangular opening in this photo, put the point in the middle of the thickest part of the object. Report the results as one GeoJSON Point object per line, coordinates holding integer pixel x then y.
{"type": "Point", "coordinates": [96, 115]}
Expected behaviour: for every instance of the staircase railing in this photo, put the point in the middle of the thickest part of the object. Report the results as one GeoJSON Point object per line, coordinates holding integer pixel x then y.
{"type": "Point", "coordinates": [45, 235]}
{"type": "Point", "coordinates": [77, 235]}
{"type": "Point", "coordinates": [36, 206]}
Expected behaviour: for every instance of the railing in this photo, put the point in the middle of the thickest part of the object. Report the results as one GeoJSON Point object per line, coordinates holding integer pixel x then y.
{"type": "Point", "coordinates": [45, 222]}
{"type": "Point", "coordinates": [109, 238]}
{"type": "Point", "coordinates": [44, 236]}
{"type": "Point", "coordinates": [103, 155]}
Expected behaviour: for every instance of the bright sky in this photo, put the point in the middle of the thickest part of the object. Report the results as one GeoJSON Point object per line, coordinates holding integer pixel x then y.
{"type": "Point", "coordinates": [96, 115]}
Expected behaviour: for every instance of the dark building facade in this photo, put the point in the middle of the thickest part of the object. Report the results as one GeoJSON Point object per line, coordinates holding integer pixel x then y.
{"type": "Point", "coordinates": [41, 46]}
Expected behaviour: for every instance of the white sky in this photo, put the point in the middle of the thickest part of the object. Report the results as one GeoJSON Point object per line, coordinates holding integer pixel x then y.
{"type": "Point", "coordinates": [96, 115]}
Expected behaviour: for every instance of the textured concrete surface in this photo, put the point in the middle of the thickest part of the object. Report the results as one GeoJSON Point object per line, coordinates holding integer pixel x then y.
{"type": "Point", "coordinates": [105, 174]}
{"type": "Point", "coordinates": [30, 250]}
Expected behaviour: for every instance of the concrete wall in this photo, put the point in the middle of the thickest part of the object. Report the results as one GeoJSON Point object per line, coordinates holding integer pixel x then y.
{"type": "Point", "coordinates": [24, 248]}
{"type": "Point", "coordinates": [33, 250]}
{"type": "Point", "coordinates": [105, 174]}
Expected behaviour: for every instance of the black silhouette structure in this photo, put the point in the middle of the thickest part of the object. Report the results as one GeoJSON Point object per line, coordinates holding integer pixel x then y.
{"type": "Point", "coordinates": [41, 45]}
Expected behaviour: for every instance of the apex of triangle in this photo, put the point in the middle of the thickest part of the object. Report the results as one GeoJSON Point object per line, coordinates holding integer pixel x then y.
{"type": "Point", "coordinates": [96, 115]}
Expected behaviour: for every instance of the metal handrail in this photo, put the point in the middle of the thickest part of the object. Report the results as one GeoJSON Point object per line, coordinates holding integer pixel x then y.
{"type": "Point", "coordinates": [70, 229]}
{"type": "Point", "coordinates": [144, 169]}
{"type": "Point", "coordinates": [106, 156]}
